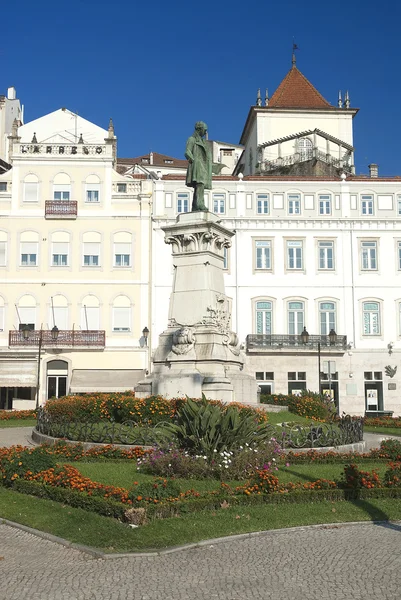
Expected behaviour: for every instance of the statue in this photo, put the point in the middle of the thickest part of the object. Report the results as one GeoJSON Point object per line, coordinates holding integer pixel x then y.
{"type": "Point", "coordinates": [201, 166]}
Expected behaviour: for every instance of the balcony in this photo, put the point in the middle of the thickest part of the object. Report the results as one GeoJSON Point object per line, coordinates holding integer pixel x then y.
{"type": "Point", "coordinates": [68, 338]}
{"type": "Point", "coordinates": [295, 343]}
{"type": "Point", "coordinates": [61, 209]}
{"type": "Point", "coordinates": [66, 151]}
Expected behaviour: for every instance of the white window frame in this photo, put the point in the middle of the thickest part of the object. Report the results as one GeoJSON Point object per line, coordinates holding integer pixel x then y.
{"type": "Point", "coordinates": [371, 317]}
{"type": "Point", "coordinates": [125, 329]}
{"type": "Point", "coordinates": [124, 264]}
{"type": "Point", "coordinates": [263, 255]}
{"type": "Point", "coordinates": [295, 259]}
{"type": "Point", "coordinates": [95, 314]}
{"type": "Point", "coordinates": [294, 204]}
{"type": "Point", "coordinates": [219, 203]}
{"type": "Point", "coordinates": [31, 262]}
{"type": "Point", "coordinates": [296, 317]}
{"type": "Point", "coordinates": [62, 254]}
{"type": "Point", "coordinates": [31, 197]}
{"type": "Point", "coordinates": [91, 263]}
{"type": "Point", "coordinates": [3, 245]}
{"type": "Point", "coordinates": [325, 248]}
{"type": "Point", "coordinates": [324, 204]}
{"type": "Point", "coordinates": [62, 193]}
{"type": "Point", "coordinates": [262, 204]}
{"type": "Point", "coordinates": [369, 255]}
{"type": "Point", "coordinates": [327, 317]}
{"type": "Point", "coordinates": [367, 205]}
{"type": "Point", "coordinates": [264, 317]}
{"type": "Point", "coordinates": [182, 202]}
{"type": "Point", "coordinates": [88, 195]}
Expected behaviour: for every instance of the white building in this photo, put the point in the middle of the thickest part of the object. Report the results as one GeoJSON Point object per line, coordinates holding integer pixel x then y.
{"type": "Point", "coordinates": [317, 250]}
{"type": "Point", "coordinates": [73, 278]}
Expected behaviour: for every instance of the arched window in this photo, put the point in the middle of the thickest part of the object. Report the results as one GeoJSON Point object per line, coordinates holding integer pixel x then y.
{"type": "Point", "coordinates": [327, 317]}
{"type": "Point", "coordinates": [91, 249]}
{"type": "Point", "coordinates": [58, 312]}
{"type": "Point", "coordinates": [26, 313]}
{"type": "Point", "coordinates": [305, 148]}
{"type": "Point", "coordinates": [296, 317]}
{"type": "Point", "coordinates": [92, 189]}
{"type": "Point", "coordinates": [264, 317]}
{"type": "Point", "coordinates": [371, 318]}
{"type": "Point", "coordinates": [122, 314]}
{"type": "Point", "coordinates": [31, 188]}
{"type": "Point", "coordinates": [90, 313]}
{"type": "Point", "coordinates": [62, 187]}
{"type": "Point", "coordinates": [122, 249]}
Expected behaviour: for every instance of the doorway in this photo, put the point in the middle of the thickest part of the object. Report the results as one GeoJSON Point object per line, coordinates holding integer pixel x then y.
{"type": "Point", "coordinates": [57, 375]}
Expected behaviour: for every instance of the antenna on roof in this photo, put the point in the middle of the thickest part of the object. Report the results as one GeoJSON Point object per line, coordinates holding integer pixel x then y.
{"type": "Point", "coordinates": [340, 101]}
{"type": "Point", "coordinates": [258, 98]}
{"type": "Point", "coordinates": [294, 47]}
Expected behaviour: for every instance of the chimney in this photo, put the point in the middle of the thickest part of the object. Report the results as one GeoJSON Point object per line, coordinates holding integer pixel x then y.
{"type": "Point", "coordinates": [373, 170]}
{"type": "Point", "coordinates": [11, 93]}
{"type": "Point", "coordinates": [151, 158]}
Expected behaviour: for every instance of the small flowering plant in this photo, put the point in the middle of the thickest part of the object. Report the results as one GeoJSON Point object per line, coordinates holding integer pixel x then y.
{"type": "Point", "coordinates": [354, 479]}
{"type": "Point", "coordinates": [392, 477]}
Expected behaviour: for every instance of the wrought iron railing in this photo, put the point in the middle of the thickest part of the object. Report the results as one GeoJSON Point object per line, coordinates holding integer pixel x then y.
{"type": "Point", "coordinates": [81, 149]}
{"type": "Point", "coordinates": [61, 208]}
{"type": "Point", "coordinates": [65, 338]}
{"type": "Point", "coordinates": [299, 157]}
{"type": "Point", "coordinates": [346, 430]}
{"type": "Point", "coordinates": [276, 342]}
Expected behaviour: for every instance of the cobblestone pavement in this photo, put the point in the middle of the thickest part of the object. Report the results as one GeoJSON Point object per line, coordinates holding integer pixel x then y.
{"type": "Point", "coordinates": [13, 436]}
{"type": "Point", "coordinates": [340, 562]}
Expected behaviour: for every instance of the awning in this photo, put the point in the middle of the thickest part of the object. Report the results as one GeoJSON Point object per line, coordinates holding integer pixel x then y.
{"type": "Point", "coordinates": [18, 373]}
{"type": "Point", "coordinates": [104, 380]}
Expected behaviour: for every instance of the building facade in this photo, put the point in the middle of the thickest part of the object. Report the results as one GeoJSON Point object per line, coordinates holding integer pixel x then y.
{"type": "Point", "coordinates": [74, 282]}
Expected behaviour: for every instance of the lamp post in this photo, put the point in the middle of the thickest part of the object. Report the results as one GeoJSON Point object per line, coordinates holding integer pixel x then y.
{"type": "Point", "coordinates": [145, 333]}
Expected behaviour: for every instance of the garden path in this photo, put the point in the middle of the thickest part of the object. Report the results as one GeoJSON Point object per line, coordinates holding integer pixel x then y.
{"type": "Point", "coordinates": [16, 436]}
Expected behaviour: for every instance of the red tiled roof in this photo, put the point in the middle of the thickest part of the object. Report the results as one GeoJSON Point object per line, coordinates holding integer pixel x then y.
{"type": "Point", "coordinates": [295, 91]}
{"type": "Point", "coordinates": [159, 160]}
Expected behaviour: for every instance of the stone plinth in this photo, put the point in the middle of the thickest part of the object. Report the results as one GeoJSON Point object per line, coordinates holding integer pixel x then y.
{"type": "Point", "coordinates": [198, 353]}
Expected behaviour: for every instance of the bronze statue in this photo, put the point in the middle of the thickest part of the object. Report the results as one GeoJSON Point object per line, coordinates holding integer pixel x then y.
{"type": "Point", "coordinates": [201, 166]}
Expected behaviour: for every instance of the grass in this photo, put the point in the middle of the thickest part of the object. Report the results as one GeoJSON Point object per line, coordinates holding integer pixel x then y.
{"type": "Point", "coordinates": [17, 423]}
{"type": "Point", "coordinates": [87, 528]}
{"type": "Point", "coordinates": [285, 416]}
{"type": "Point", "coordinates": [383, 430]}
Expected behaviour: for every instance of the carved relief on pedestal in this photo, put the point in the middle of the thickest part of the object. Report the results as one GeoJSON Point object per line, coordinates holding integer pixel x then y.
{"type": "Point", "coordinates": [231, 340]}
{"type": "Point", "coordinates": [197, 242]}
{"type": "Point", "coordinates": [183, 340]}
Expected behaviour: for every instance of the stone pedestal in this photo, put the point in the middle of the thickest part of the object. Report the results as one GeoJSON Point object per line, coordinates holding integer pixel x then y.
{"type": "Point", "coordinates": [198, 353]}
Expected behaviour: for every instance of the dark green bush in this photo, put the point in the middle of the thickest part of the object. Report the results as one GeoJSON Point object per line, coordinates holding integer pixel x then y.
{"type": "Point", "coordinates": [17, 463]}
{"type": "Point", "coordinates": [391, 449]}
{"type": "Point", "coordinates": [308, 404]}
{"type": "Point", "coordinates": [158, 489]}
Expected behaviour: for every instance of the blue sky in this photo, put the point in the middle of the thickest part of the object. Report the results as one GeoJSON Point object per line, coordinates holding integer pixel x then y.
{"type": "Point", "coordinates": [158, 67]}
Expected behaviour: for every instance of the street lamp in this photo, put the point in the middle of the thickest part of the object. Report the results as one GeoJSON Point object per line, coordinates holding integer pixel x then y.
{"type": "Point", "coordinates": [54, 333]}
{"type": "Point", "coordinates": [332, 337]}
{"type": "Point", "coordinates": [145, 333]}
{"type": "Point", "coordinates": [304, 336]}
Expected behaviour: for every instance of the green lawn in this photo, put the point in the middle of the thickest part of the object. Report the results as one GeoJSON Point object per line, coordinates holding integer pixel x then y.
{"type": "Point", "coordinates": [18, 423]}
{"type": "Point", "coordinates": [383, 430]}
{"type": "Point", "coordinates": [285, 416]}
{"type": "Point", "coordinates": [87, 528]}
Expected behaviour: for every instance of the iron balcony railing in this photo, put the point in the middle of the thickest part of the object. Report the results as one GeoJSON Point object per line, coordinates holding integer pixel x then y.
{"type": "Point", "coordinates": [66, 338]}
{"type": "Point", "coordinates": [61, 208]}
{"type": "Point", "coordinates": [258, 342]}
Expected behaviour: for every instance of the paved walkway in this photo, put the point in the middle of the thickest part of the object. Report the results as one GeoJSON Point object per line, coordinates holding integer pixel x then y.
{"type": "Point", "coordinates": [14, 436]}
{"type": "Point", "coordinates": [340, 562]}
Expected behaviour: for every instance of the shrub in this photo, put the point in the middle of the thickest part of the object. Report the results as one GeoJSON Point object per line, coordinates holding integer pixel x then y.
{"type": "Point", "coordinates": [394, 422]}
{"type": "Point", "coordinates": [309, 404]}
{"type": "Point", "coordinates": [354, 479]}
{"type": "Point", "coordinates": [19, 462]}
{"type": "Point", "coordinates": [19, 415]}
{"type": "Point", "coordinates": [392, 477]}
{"type": "Point", "coordinates": [263, 482]}
{"type": "Point", "coordinates": [156, 490]}
{"type": "Point", "coordinates": [390, 449]}
{"type": "Point", "coordinates": [204, 427]}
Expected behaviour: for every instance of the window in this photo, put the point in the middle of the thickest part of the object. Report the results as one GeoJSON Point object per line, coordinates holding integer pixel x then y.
{"type": "Point", "coordinates": [3, 186]}
{"type": "Point", "coordinates": [327, 317]}
{"type": "Point", "coordinates": [92, 195]}
{"type": "Point", "coordinates": [26, 313]}
{"type": "Point", "coordinates": [90, 313]}
{"type": "Point", "coordinates": [305, 149]}
{"type": "Point", "coordinates": [91, 254]}
{"type": "Point", "coordinates": [31, 188]}
{"type": "Point", "coordinates": [60, 195]}
{"type": "Point", "coordinates": [29, 254]}
{"type": "Point", "coordinates": [399, 255]}
{"type": "Point", "coordinates": [122, 314]}
{"type": "Point", "coordinates": [58, 312]}
{"type": "Point", "coordinates": [371, 318]}
{"type": "Point", "coordinates": [168, 161]}
{"type": "Point", "coordinates": [367, 205]}
{"type": "Point", "coordinates": [3, 254]}
{"type": "Point", "coordinates": [326, 255]}
{"type": "Point", "coordinates": [399, 204]}
{"type": "Point", "coordinates": [369, 256]}
{"type": "Point", "coordinates": [219, 203]}
{"type": "Point", "coordinates": [265, 381]}
{"type": "Point", "coordinates": [296, 317]}
{"type": "Point", "coordinates": [122, 254]}
{"type": "Point", "coordinates": [60, 254]}
{"type": "Point", "coordinates": [262, 204]}
{"type": "Point", "coordinates": [325, 205]}
{"type": "Point", "coordinates": [294, 204]}
{"type": "Point", "coordinates": [121, 188]}
{"type": "Point", "coordinates": [263, 254]}
{"type": "Point", "coordinates": [182, 203]}
{"type": "Point", "coordinates": [296, 382]}
{"type": "Point", "coordinates": [264, 315]}
{"type": "Point", "coordinates": [294, 255]}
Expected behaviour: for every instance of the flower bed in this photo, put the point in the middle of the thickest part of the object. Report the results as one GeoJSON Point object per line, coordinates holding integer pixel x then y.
{"type": "Point", "coordinates": [18, 415]}
{"type": "Point", "coordinates": [391, 422]}
{"type": "Point", "coordinates": [308, 404]}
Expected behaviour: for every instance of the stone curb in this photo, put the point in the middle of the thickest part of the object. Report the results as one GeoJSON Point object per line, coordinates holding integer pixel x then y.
{"type": "Point", "coordinates": [41, 438]}
{"type": "Point", "coordinates": [173, 549]}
